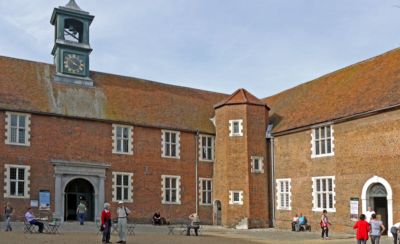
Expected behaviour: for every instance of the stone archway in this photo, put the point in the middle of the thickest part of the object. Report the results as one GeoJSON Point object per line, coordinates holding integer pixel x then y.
{"type": "Point", "coordinates": [67, 171]}
{"type": "Point", "coordinates": [78, 190]}
{"type": "Point", "coordinates": [384, 188]}
{"type": "Point", "coordinates": [217, 213]}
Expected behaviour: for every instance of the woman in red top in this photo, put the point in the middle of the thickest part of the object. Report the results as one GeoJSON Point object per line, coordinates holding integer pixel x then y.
{"type": "Point", "coordinates": [363, 228]}
{"type": "Point", "coordinates": [106, 223]}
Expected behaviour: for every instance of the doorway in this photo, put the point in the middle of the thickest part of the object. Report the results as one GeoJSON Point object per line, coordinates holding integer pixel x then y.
{"type": "Point", "coordinates": [377, 196]}
{"type": "Point", "coordinates": [217, 212]}
{"type": "Point", "coordinates": [75, 191]}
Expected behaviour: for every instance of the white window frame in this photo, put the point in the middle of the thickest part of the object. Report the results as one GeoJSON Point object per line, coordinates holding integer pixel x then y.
{"type": "Point", "coordinates": [115, 139]}
{"type": "Point", "coordinates": [206, 148]}
{"type": "Point", "coordinates": [240, 127]}
{"type": "Point", "coordinates": [232, 200]}
{"type": "Point", "coordinates": [203, 201]}
{"type": "Point", "coordinates": [164, 144]}
{"type": "Point", "coordinates": [322, 141]}
{"type": "Point", "coordinates": [317, 194]}
{"type": "Point", "coordinates": [7, 181]}
{"type": "Point", "coordinates": [164, 178]}
{"type": "Point", "coordinates": [130, 188]}
{"type": "Point", "coordinates": [27, 129]}
{"type": "Point", "coordinates": [260, 168]}
{"type": "Point", "coordinates": [284, 194]}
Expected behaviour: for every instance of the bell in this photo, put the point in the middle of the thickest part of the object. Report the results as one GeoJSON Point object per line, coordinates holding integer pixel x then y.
{"type": "Point", "coordinates": [72, 29]}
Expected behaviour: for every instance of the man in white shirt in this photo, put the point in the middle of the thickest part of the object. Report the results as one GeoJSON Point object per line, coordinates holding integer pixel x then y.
{"type": "Point", "coordinates": [30, 218]}
{"type": "Point", "coordinates": [122, 213]}
{"type": "Point", "coordinates": [395, 230]}
{"type": "Point", "coordinates": [368, 214]}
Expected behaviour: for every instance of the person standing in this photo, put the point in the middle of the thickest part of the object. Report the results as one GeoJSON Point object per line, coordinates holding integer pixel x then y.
{"type": "Point", "coordinates": [377, 229]}
{"type": "Point", "coordinates": [8, 211]}
{"type": "Point", "coordinates": [325, 225]}
{"type": "Point", "coordinates": [194, 224]}
{"type": "Point", "coordinates": [106, 223]}
{"type": "Point", "coordinates": [122, 213]}
{"type": "Point", "coordinates": [395, 230]}
{"type": "Point", "coordinates": [81, 212]}
{"type": "Point", "coordinates": [363, 228]}
{"type": "Point", "coordinates": [368, 214]}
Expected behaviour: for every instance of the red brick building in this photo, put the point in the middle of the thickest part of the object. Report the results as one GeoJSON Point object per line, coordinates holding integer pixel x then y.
{"type": "Point", "coordinates": [70, 133]}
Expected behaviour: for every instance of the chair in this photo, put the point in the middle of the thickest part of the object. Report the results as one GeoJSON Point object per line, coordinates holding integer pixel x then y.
{"type": "Point", "coordinates": [131, 228]}
{"type": "Point", "coordinates": [54, 226]}
{"type": "Point", "coordinates": [28, 227]}
{"type": "Point", "coordinates": [98, 224]}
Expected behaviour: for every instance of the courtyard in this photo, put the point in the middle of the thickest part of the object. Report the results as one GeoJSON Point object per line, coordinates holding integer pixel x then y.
{"type": "Point", "coordinates": [72, 232]}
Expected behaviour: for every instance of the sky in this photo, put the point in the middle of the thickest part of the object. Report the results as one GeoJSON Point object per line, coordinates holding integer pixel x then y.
{"type": "Point", "coordinates": [264, 46]}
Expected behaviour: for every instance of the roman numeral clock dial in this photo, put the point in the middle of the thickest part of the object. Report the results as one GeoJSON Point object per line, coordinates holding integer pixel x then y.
{"type": "Point", "coordinates": [74, 64]}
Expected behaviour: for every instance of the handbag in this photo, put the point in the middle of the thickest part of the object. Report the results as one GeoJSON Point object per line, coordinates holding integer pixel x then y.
{"type": "Point", "coordinates": [101, 228]}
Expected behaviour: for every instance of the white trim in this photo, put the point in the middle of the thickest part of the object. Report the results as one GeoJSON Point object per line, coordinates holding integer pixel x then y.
{"type": "Point", "coordinates": [314, 194]}
{"type": "Point", "coordinates": [201, 148]}
{"type": "Point", "coordinates": [201, 191]}
{"type": "Point", "coordinates": [231, 198]}
{"type": "Point", "coordinates": [27, 182]}
{"type": "Point", "coordinates": [178, 189]}
{"type": "Point", "coordinates": [178, 143]}
{"type": "Point", "coordinates": [260, 164]}
{"type": "Point", "coordinates": [332, 139]}
{"type": "Point", "coordinates": [27, 129]}
{"type": "Point", "coordinates": [114, 139]}
{"type": "Point", "coordinates": [240, 133]}
{"type": "Point", "coordinates": [373, 180]}
{"type": "Point", "coordinates": [278, 193]}
{"type": "Point", "coordinates": [114, 186]}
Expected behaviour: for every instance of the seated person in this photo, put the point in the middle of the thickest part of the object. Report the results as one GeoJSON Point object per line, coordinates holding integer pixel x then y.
{"type": "Point", "coordinates": [30, 218]}
{"type": "Point", "coordinates": [194, 224]}
{"type": "Point", "coordinates": [302, 222]}
{"type": "Point", "coordinates": [295, 220]}
{"type": "Point", "coordinates": [157, 218]}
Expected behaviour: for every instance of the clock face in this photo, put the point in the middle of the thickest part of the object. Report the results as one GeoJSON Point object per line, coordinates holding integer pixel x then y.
{"type": "Point", "coordinates": [74, 64]}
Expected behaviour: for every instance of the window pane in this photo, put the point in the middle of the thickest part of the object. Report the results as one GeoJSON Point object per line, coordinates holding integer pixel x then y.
{"type": "Point", "coordinates": [119, 132]}
{"type": "Point", "coordinates": [324, 200]}
{"type": "Point", "coordinates": [119, 147]}
{"type": "Point", "coordinates": [203, 141]}
{"type": "Point", "coordinates": [235, 127]}
{"type": "Point", "coordinates": [209, 185]}
{"type": "Point", "coordinates": [329, 184]}
{"type": "Point", "coordinates": [14, 119]}
{"type": "Point", "coordinates": [126, 133]}
{"type": "Point", "coordinates": [204, 184]}
{"type": "Point", "coordinates": [287, 186]}
{"type": "Point", "coordinates": [167, 182]}
{"type": "Point", "coordinates": [317, 148]}
{"type": "Point", "coordinates": [126, 146]}
{"type": "Point", "coordinates": [322, 146]}
{"type": "Point", "coordinates": [12, 188]}
{"type": "Point", "coordinates": [318, 185]}
{"type": "Point", "coordinates": [167, 150]}
{"type": "Point", "coordinates": [316, 133]}
{"type": "Point", "coordinates": [235, 196]}
{"type": "Point", "coordinates": [328, 131]}
{"type": "Point", "coordinates": [204, 196]}
{"type": "Point", "coordinates": [209, 140]}
{"type": "Point", "coordinates": [256, 165]}
{"type": "Point", "coordinates": [21, 135]}
{"type": "Point", "coordinates": [13, 135]}
{"type": "Point", "coordinates": [21, 188]}
{"type": "Point", "coordinates": [13, 173]}
{"type": "Point", "coordinates": [21, 121]}
{"type": "Point", "coordinates": [209, 197]}
{"type": "Point", "coordinates": [204, 153]}
{"type": "Point", "coordinates": [119, 180]}
{"type": "Point", "coordinates": [328, 146]}
{"type": "Point", "coordinates": [173, 183]}
{"type": "Point", "coordinates": [322, 132]}
{"type": "Point", "coordinates": [126, 180]}
{"type": "Point", "coordinates": [173, 137]}
{"type": "Point", "coordinates": [167, 138]}
{"type": "Point", "coordinates": [119, 193]}
{"type": "Point", "coordinates": [323, 185]}
{"type": "Point", "coordinates": [287, 200]}
{"type": "Point", "coordinates": [173, 150]}
{"type": "Point", "coordinates": [173, 195]}
{"type": "Point", "coordinates": [282, 202]}
{"type": "Point", "coordinates": [167, 196]}
{"type": "Point", "coordinates": [125, 193]}
{"type": "Point", "coordinates": [21, 174]}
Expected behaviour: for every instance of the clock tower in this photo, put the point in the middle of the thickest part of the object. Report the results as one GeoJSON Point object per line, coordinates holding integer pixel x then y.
{"type": "Point", "coordinates": [71, 48]}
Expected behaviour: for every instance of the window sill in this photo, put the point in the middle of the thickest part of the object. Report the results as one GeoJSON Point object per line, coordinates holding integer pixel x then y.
{"type": "Point", "coordinates": [329, 210]}
{"type": "Point", "coordinates": [323, 155]}
{"type": "Point", "coordinates": [18, 144]}
{"type": "Point", "coordinates": [171, 203]}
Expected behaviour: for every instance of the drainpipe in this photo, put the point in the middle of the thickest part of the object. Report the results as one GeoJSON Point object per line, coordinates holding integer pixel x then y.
{"type": "Point", "coordinates": [196, 170]}
{"type": "Point", "coordinates": [273, 180]}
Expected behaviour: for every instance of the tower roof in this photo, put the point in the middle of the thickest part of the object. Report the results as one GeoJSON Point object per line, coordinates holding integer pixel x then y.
{"type": "Point", "coordinates": [241, 96]}
{"type": "Point", "coordinates": [72, 5]}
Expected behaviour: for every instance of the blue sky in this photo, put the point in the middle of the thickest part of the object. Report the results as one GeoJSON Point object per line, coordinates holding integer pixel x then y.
{"type": "Point", "coordinates": [265, 46]}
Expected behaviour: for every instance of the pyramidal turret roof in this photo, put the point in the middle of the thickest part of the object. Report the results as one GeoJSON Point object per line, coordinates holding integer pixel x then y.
{"type": "Point", "coordinates": [241, 96]}
{"type": "Point", "coordinates": [72, 5]}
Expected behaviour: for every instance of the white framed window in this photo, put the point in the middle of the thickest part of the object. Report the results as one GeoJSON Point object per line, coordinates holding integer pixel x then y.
{"type": "Point", "coordinates": [236, 127]}
{"type": "Point", "coordinates": [18, 129]}
{"type": "Point", "coordinates": [322, 141]}
{"type": "Point", "coordinates": [205, 185]}
{"type": "Point", "coordinates": [236, 197]}
{"type": "Point", "coordinates": [122, 186]}
{"type": "Point", "coordinates": [324, 193]}
{"type": "Point", "coordinates": [170, 141]}
{"type": "Point", "coordinates": [257, 164]}
{"type": "Point", "coordinates": [16, 181]}
{"type": "Point", "coordinates": [122, 139]}
{"type": "Point", "coordinates": [206, 148]}
{"type": "Point", "coordinates": [171, 189]}
{"type": "Point", "coordinates": [283, 194]}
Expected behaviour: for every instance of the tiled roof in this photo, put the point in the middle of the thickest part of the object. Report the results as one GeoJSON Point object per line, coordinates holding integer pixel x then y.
{"type": "Point", "coordinates": [241, 96]}
{"type": "Point", "coordinates": [28, 86]}
{"type": "Point", "coordinates": [366, 86]}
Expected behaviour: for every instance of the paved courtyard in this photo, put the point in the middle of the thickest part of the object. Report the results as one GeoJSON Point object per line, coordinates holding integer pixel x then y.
{"type": "Point", "coordinates": [147, 234]}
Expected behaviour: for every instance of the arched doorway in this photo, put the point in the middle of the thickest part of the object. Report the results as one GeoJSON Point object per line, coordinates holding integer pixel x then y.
{"type": "Point", "coordinates": [377, 193]}
{"type": "Point", "coordinates": [75, 191]}
{"type": "Point", "coordinates": [217, 212]}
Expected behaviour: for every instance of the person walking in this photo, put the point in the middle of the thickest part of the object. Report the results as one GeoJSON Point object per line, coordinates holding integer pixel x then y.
{"type": "Point", "coordinates": [377, 229]}
{"type": "Point", "coordinates": [363, 229]}
{"type": "Point", "coordinates": [106, 223]}
{"type": "Point", "coordinates": [81, 212]}
{"type": "Point", "coordinates": [325, 225]}
{"type": "Point", "coordinates": [8, 211]}
{"type": "Point", "coordinates": [122, 213]}
{"type": "Point", "coordinates": [395, 230]}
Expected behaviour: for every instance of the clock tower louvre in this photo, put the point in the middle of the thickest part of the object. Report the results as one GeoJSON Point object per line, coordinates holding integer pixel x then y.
{"type": "Point", "coordinates": [71, 48]}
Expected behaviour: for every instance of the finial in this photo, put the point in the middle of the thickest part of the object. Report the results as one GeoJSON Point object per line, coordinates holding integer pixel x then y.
{"type": "Point", "coordinates": [72, 4]}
